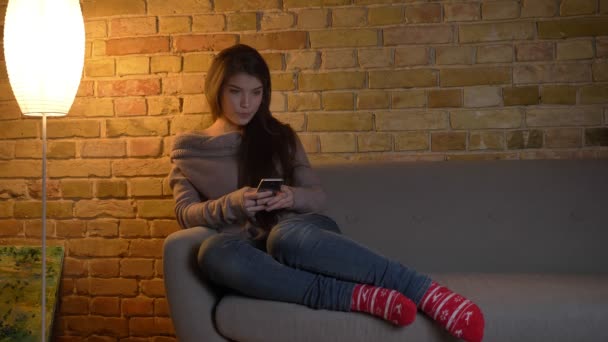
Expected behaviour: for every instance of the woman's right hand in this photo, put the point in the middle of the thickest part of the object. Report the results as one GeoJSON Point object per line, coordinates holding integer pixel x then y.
{"type": "Point", "coordinates": [254, 201]}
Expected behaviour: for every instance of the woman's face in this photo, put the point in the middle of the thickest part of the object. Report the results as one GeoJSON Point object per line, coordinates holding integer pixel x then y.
{"type": "Point", "coordinates": [240, 99]}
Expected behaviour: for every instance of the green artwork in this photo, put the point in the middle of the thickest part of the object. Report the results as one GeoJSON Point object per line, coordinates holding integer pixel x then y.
{"type": "Point", "coordinates": [20, 287]}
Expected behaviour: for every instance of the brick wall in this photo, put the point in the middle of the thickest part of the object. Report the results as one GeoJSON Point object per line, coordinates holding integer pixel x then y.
{"type": "Point", "coordinates": [358, 79]}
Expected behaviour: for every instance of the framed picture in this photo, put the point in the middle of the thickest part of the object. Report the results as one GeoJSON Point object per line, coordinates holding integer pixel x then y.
{"type": "Point", "coordinates": [20, 289]}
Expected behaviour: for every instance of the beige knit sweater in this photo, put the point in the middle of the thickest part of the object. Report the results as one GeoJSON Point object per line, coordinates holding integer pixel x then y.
{"type": "Point", "coordinates": [204, 183]}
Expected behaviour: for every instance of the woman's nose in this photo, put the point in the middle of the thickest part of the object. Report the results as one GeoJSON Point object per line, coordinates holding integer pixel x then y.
{"type": "Point", "coordinates": [244, 101]}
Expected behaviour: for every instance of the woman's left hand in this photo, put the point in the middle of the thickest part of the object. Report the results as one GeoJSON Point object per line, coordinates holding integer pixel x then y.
{"type": "Point", "coordinates": [282, 200]}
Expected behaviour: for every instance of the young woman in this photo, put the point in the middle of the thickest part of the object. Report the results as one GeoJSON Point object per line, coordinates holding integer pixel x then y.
{"type": "Point", "coordinates": [277, 246]}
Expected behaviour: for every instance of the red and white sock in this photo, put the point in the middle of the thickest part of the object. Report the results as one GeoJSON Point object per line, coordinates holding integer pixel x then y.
{"type": "Point", "coordinates": [388, 304]}
{"type": "Point", "coordinates": [458, 315]}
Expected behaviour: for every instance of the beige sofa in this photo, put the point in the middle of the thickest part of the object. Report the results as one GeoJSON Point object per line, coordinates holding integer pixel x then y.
{"type": "Point", "coordinates": [526, 240]}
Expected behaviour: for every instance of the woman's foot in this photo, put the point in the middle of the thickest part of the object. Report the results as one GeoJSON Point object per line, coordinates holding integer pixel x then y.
{"type": "Point", "coordinates": [458, 315]}
{"type": "Point", "coordinates": [388, 304]}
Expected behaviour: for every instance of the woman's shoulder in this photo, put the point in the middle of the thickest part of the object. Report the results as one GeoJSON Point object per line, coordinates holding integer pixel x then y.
{"type": "Point", "coordinates": [204, 142]}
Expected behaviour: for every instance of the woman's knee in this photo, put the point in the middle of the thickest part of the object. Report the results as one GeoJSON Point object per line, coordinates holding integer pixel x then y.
{"type": "Point", "coordinates": [291, 238]}
{"type": "Point", "coordinates": [277, 239]}
{"type": "Point", "coordinates": [214, 253]}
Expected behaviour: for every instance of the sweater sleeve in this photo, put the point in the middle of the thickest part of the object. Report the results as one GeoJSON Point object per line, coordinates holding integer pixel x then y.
{"type": "Point", "coordinates": [192, 210]}
{"type": "Point", "coordinates": [308, 193]}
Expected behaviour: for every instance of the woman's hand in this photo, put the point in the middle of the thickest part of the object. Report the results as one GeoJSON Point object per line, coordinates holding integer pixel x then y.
{"type": "Point", "coordinates": [282, 200]}
{"type": "Point", "coordinates": [254, 201]}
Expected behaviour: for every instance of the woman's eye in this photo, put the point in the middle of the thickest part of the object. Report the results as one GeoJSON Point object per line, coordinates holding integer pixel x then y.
{"type": "Point", "coordinates": [234, 91]}
{"type": "Point", "coordinates": [257, 93]}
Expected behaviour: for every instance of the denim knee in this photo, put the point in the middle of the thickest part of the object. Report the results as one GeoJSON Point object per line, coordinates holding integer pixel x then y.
{"type": "Point", "coordinates": [294, 236]}
{"type": "Point", "coordinates": [277, 240]}
{"type": "Point", "coordinates": [216, 256]}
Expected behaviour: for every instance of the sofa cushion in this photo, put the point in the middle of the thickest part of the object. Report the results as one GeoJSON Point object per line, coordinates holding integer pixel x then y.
{"type": "Point", "coordinates": [538, 216]}
{"type": "Point", "coordinates": [517, 307]}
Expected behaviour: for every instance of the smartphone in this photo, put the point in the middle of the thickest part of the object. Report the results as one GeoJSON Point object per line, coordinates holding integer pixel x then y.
{"type": "Point", "coordinates": [270, 184]}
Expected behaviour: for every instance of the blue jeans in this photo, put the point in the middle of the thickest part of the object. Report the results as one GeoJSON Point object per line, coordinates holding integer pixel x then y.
{"type": "Point", "coordinates": [305, 261]}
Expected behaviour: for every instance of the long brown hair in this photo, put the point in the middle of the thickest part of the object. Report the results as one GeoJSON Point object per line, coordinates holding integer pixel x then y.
{"type": "Point", "coordinates": [267, 146]}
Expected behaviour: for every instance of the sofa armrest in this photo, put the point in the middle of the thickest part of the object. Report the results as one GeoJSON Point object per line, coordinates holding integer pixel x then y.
{"type": "Point", "coordinates": [191, 299]}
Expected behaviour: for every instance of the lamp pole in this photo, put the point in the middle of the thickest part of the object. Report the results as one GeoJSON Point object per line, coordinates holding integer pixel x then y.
{"type": "Point", "coordinates": [43, 275]}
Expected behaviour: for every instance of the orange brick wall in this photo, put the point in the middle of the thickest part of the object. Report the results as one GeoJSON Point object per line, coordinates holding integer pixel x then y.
{"type": "Point", "coordinates": [358, 79]}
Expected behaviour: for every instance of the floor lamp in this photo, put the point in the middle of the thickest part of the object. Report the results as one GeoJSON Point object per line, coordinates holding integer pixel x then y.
{"type": "Point", "coordinates": [44, 45]}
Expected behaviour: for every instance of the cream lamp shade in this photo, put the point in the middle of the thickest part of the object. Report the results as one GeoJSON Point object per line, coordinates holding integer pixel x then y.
{"type": "Point", "coordinates": [44, 54]}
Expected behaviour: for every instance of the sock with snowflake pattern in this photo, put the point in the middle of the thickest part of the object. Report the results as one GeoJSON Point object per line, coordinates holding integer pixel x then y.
{"type": "Point", "coordinates": [458, 315]}
{"type": "Point", "coordinates": [388, 304]}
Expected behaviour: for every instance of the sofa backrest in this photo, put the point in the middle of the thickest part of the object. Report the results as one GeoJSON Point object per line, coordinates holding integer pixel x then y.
{"type": "Point", "coordinates": [476, 216]}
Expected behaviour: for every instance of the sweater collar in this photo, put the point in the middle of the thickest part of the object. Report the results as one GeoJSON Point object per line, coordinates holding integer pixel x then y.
{"type": "Point", "coordinates": [195, 144]}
